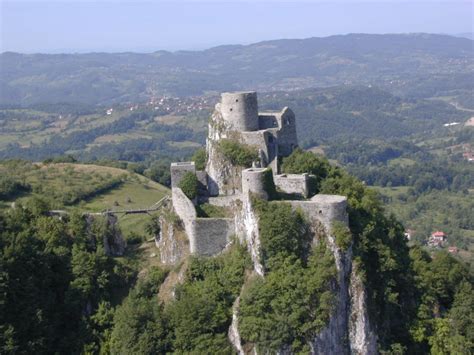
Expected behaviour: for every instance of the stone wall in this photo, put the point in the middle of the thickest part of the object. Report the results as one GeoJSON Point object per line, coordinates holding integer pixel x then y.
{"type": "Point", "coordinates": [178, 170]}
{"type": "Point", "coordinates": [184, 208]}
{"type": "Point", "coordinates": [172, 242]}
{"type": "Point", "coordinates": [324, 209]}
{"type": "Point", "coordinates": [267, 120]}
{"type": "Point", "coordinates": [286, 135]}
{"type": "Point", "coordinates": [258, 140]}
{"type": "Point", "coordinates": [293, 183]}
{"type": "Point", "coordinates": [222, 177]}
{"type": "Point", "coordinates": [212, 235]}
{"type": "Point", "coordinates": [207, 236]}
{"type": "Point", "coordinates": [224, 201]}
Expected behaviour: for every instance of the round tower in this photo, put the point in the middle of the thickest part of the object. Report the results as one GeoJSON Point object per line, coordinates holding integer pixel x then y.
{"type": "Point", "coordinates": [253, 181]}
{"type": "Point", "coordinates": [240, 109]}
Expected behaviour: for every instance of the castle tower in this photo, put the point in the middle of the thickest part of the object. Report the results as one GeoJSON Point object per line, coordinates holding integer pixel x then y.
{"type": "Point", "coordinates": [253, 181]}
{"type": "Point", "coordinates": [240, 110]}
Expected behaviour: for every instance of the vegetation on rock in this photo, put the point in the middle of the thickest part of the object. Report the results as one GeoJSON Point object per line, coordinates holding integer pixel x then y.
{"type": "Point", "coordinates": [237, 153]}
{"type": "Point", "coordinates": [199, 158]}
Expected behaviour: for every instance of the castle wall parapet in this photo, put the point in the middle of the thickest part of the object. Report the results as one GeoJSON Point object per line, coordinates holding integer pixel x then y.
{"type": "Point", "coordinates": [178, 170]}
{"type": "Point", "coordinates": [293, 183]}
{"type": "Point", "coordinates": [325, 209]}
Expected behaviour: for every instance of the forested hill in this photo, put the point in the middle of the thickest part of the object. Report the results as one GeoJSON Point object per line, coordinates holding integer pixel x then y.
{"type": "Point", "coordinates": [412, 64]}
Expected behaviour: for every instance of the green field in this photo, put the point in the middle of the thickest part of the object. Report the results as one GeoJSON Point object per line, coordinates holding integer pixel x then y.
{"type": "Point", "coordinates": [103, 188]}
{"type": "Point", "coordinates": [135, 193]}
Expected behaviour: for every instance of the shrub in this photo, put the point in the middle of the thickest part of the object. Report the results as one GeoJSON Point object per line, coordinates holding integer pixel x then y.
{"type": "Point", "coordinates": [189, 185]}
{"type": "Point", "coordinates": [202, 312]}
{"type": "Point", "coordinates": [283, 232]}
{"type": "Point", "coordinates": [290, 305]}
{"type": "Point", "coordinates": [10, 187]}
{"type": "Point", "coordinates": [269, 185]}
{"type": "Point", "coordinates": [238, 153]}
{"type": "Point", "coordinates": [342, 235]}
{"type": "Point", "coordinates": [300, 162]}
{"type": "Point", "coordinates": [199, 158]}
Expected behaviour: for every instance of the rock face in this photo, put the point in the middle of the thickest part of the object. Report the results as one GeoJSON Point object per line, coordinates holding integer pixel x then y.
{"type": "Point", "coordinates": [172, 243]}
{"type": "Point", "coordinates": [362, 338]}
{"type": "Point", "coordinates": [223, 178]}
{"type": "Point", "coordinates": [246, 222]}
{"type": "Point", "coordinates": [234, 335]}
{"type": "Point", "coordinates": [113, 242]}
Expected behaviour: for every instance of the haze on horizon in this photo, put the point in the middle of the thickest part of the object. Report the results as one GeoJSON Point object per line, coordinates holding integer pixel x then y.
{"type": "Point", "coordinates": [114, 26]}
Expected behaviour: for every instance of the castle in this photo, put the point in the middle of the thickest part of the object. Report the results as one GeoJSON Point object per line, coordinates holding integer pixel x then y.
{"type": "Point", "coordinates": [225, 185]}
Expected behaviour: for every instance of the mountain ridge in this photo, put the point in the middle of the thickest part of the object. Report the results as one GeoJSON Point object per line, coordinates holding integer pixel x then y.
{"type": "Point", "coordinates": [395, 62]}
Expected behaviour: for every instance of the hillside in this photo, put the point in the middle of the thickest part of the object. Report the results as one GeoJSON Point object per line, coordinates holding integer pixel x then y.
{"type": "Point", "coordinates": [83, 188]}
{"type": "Point", "coordinates": [422, 65]}
{"type": "Point", "coordinates": [176, 127]}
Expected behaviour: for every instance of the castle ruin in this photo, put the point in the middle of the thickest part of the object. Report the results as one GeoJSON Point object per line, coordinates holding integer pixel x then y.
{"type": "Point", "coordinates": [223, 184]}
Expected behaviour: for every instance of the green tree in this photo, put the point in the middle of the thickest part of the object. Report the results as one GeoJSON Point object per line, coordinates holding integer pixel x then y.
{"type": "Point", "coordinates": [283, 232]}
{"type": "Point", "coordinates": [199, 158]}
{"type": "Point", "coordinates": [140, 327]}
{"type": "Point", "coordinates": [189, 185]}
{"type": "Point", "coordinates": [300, 162]}
{"type": "Point", "coordinates": [291, 304]}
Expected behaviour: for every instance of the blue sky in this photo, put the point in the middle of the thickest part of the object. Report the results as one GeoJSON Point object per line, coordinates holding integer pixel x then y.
{"type": "Point", "coordinates": [146, 26]}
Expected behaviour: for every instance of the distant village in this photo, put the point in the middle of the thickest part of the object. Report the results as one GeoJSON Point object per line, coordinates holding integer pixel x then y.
{"type": "Point", "coordinates": [173, 105]}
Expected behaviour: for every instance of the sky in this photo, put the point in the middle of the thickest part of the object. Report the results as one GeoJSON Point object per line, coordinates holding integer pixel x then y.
{"type": "Point", "coordinates": [64, 26]}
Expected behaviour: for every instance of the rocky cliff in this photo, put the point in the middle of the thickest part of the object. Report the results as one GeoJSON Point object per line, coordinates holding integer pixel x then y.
{"type": "Point", "coordinates": [349, 330]}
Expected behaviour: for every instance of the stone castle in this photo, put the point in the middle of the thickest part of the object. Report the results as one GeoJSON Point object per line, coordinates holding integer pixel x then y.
{"type": "Point", "coordinates": [222, 184]}
{"type": "Point", "coordinates": [230, 187]}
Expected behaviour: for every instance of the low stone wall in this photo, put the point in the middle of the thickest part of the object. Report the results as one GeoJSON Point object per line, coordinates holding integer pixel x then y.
{"type": "Point", "coordinates": [224, 201]}
{"type": "Point", "coordinates": [207, 236]}
{"type": "Point", "coordinates": [293, 183]}
{"type": "Point", "coordinates": [212, 235]}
